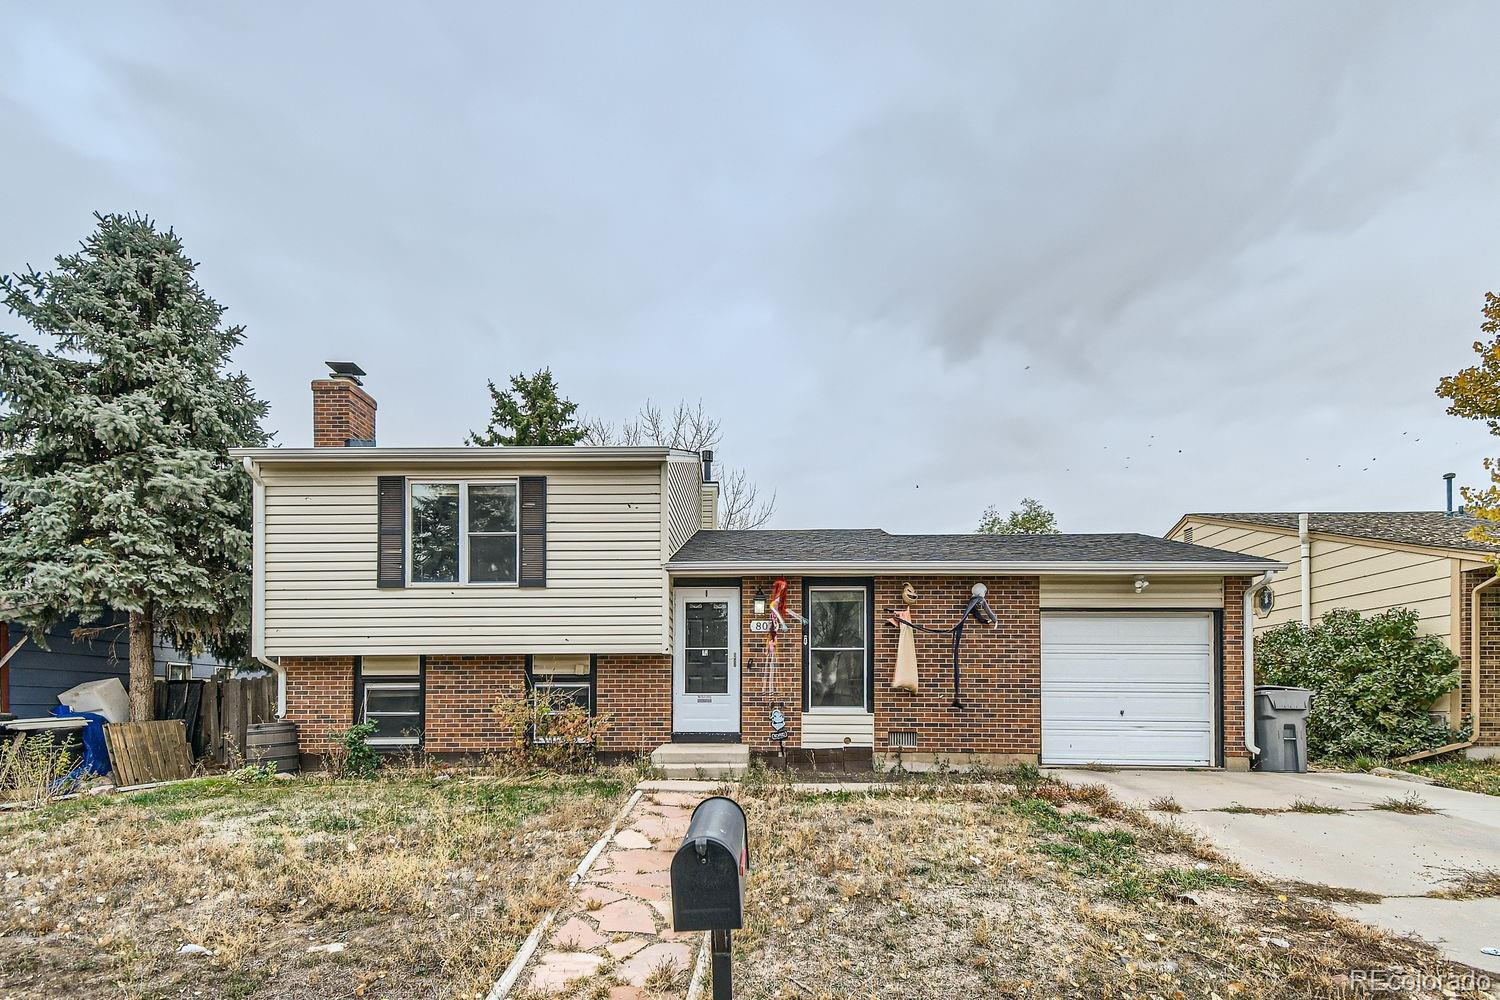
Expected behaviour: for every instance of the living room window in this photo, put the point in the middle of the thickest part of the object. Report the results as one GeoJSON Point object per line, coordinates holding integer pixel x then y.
{"type": "Point", "coordinates": [463, 532]}
{"type": "Point", "coordinates": [838, 647]}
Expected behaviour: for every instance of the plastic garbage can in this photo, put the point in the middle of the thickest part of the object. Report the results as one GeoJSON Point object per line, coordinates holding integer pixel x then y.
{"type": "Point", "coordinates": [1281, 728]}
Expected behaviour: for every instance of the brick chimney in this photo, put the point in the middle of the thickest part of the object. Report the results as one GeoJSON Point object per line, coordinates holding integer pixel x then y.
{"type": "Point", "coordinates": [343, 413]}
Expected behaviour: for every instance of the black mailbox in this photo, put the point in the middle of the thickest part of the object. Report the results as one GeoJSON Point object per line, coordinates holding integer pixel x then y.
{"type": "Point", "coordinates": [708, 872]}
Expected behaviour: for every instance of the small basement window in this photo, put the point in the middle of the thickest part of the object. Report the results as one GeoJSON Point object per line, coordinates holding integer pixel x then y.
{"type": "Point", "coordinates": [560, 681]}
{"type": "Point", "coordinates": [390, 697]}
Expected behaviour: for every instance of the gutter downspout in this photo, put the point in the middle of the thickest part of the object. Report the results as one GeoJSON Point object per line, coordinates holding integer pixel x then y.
{"type": "Point", "coordinates": [1249, 657]}
{"type": "Point", "coordinates": [1305, 545]}
{"type": "Point", "coordinates": [258, 585]}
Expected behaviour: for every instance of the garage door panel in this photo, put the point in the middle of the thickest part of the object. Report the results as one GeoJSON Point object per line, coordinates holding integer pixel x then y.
{"type": "Point", "coordinates": [1127, 689]}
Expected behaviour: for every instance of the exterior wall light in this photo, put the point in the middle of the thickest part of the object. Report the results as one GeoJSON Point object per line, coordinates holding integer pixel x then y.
{"type": "Point", "coordinates": [758, 603]}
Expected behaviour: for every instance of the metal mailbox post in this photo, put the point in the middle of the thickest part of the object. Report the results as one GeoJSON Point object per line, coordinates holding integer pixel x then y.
{"type": "Point", "coordinates": [708, 880]}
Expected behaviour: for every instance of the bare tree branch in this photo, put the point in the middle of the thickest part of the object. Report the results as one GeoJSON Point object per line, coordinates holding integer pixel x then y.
{"type": "Point", "coordinates": [740, 505]}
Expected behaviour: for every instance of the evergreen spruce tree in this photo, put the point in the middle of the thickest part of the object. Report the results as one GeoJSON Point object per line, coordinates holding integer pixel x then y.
{"type": "Point", "coordinates": [530, 412]}
{"type": "Point", "coordinates": [117, 492]}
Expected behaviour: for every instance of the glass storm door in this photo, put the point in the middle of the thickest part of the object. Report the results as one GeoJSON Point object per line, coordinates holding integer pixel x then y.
{"type": "Point", "coordinates": [706, 664]}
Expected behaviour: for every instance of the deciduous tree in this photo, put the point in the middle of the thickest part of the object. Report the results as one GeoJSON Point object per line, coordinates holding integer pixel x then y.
{"type": "Point", "coordinates": [1031, 519]}
{"type": "Point", "coordinates": [1475, 393]}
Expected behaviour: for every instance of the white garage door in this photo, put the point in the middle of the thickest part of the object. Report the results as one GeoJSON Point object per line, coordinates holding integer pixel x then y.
{"type": "Point", "coordinates": [1132, 689]}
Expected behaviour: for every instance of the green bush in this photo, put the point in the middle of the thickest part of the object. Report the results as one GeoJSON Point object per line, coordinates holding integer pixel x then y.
{"type": "Point", "coordinates": [352, 756]}
{"type": "Point", "coordinates": [1376, 679]}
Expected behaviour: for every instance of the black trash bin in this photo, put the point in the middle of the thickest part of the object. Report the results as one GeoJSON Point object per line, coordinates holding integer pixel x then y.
{"type": "Point", "coordinates": [1281, 728]}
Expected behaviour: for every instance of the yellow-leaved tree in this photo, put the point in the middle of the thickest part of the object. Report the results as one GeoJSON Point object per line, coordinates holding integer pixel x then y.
{"type": "Point", "coordinates": [1475, 393]}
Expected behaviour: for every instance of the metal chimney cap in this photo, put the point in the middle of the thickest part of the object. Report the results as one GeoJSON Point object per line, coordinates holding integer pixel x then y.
{"type": "Point", "coordinates": [1450, 475]}
{"type": "Point", "coordinates": [346, 369]}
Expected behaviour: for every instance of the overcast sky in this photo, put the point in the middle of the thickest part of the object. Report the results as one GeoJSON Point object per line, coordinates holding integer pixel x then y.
{"type": "Point", "coordinates": [1130, 259]}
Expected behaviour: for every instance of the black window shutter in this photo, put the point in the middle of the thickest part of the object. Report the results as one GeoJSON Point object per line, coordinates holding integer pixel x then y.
{"type": "Point", "coordinates": [390, 544]}
{"type": "Point", "coordinates": [533, 531]}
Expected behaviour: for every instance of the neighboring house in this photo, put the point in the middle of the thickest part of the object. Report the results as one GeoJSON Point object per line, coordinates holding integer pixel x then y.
{"type": "Point", "coordinates": [1374, 560]}
{"type": "Point", "coordinates": [416, 587]}
{"type": "Point", "coordinates": [32, 678]}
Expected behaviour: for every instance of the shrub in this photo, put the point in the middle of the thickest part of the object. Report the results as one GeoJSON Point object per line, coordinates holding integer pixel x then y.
{"type": "Point", "coordinates": [31, 767]}
{"type": "Point", "coordinates": [557, 734]}
{"type": "Point", "coordinates": [1375, 681]}
{"type": "Point", "coordinates": [351, 756]}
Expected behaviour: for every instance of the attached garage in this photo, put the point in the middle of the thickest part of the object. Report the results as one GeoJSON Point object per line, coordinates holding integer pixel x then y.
{"type": "Point", "coordinates": [1134, 689]}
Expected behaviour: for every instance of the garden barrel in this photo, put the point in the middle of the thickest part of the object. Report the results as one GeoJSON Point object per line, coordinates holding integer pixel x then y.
{"type": "Point", "coordinates": [275, 743]}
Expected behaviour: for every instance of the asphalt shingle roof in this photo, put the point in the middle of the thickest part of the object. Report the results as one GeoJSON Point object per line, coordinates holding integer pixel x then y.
{"type": "Point", "coordinates": [1412, 527]}
{"type": "Point", "coordinates": [873, 545]}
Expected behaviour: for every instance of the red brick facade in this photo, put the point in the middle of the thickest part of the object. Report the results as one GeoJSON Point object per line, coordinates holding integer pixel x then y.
{"type": "Point", "coordinates": [1232, 674]}
{"type": "Point", "coordinates": [1000, 669]}
{"type": "Point", "coordinates": [342, 411]}
{"type": "Point", "coordinates": [1486, 714]}
{"type": "Point", "coordinates": [462, 691]}
{"type": "Point", "coordinates": [319, 698]}
{"type": "Point", "coordinates": [635, 691]}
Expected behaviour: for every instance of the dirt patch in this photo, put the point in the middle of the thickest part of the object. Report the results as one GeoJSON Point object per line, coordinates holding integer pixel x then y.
{"type": "Point", "coordinates": [430, 881]}
{"type": "Point", "coordinates": [1039, 890]}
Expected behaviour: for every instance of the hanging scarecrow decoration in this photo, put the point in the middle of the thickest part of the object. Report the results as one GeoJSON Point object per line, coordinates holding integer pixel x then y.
{"type": "Point", "coordinates": [905, 677]}
{"type": "Point", "coordinates": [978, 609]}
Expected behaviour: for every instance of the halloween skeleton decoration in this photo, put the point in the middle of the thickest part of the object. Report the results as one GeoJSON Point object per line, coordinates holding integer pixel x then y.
{"type": "Point", "coordinates": [905, 676]}
{"type": "Point", "coordinates": [978, 608]}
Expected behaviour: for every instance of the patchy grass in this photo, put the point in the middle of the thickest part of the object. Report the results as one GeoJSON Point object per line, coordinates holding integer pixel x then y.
{"type": "Point", "coordinates": [1314, 807]}
{"type": "Point", "coordinates": [1033, 890]}
{"type": "Point", "coordinates": [430, 880]}
{"type": "Point", "coordinates": [1457, 771]}
{"type": "Point", "coordinates": [1411, 804]}
{"type": "Point", "coordinates": [1164, 803]}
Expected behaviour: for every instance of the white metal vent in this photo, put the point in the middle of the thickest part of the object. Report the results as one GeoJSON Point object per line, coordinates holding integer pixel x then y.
{"type": "Point", "coordinates": [903, 739]}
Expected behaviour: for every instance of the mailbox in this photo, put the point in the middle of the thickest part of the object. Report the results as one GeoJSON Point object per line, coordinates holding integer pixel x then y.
{"type": "Point", "coordinates": [708, 871]}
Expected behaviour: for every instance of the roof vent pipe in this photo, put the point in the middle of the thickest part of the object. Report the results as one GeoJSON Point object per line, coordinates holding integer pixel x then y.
{"type": "Point", "coordinates": [1448, 482]}
{"type": "Point", "coordinates": [708, 465]}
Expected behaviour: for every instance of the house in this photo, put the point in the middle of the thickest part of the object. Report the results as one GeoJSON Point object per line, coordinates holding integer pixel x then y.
{"type": "Point", "coordinates": [416, 587]}
{"type": "Point", "coordinates": [1374, 560]}
{"type": "Point", "coordinates": [32, 676]}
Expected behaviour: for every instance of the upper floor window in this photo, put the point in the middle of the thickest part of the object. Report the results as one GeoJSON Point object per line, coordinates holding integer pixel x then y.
{"type": "Point", "coordinates": [463, 532]}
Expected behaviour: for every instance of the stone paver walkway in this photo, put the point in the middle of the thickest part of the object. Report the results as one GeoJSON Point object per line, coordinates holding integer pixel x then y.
{"type": "Point", "coordinates": [616, 929]}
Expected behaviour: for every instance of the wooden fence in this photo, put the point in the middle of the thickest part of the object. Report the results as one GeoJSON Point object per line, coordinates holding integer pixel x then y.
{"type": "Point", "coordinates": [223, 710]}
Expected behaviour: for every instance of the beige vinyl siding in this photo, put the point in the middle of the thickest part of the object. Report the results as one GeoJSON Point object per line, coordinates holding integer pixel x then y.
{"type": "Point", "coordinates": [827, 730]}
{"type": "Point", "coordinates": [1119, 592]}
{"type": "Point", "coordinates": [708, 498]}
{"type": "Point", "coordinates": [1365, 576]}
{"type": "Point", "coordinates": [606, 589]}
{"type": "Point", "coordinates": [684, 516]}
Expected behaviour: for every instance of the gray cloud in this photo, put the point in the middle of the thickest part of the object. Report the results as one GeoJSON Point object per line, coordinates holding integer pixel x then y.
{"type": "Point", "coordinates": [1131, 260]}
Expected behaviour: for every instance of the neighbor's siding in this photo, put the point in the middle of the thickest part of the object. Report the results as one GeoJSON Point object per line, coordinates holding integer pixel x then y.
{"type": "Point", "coordinates": [1366, 577]}
{"type": "Point", "coordinates": [606, 589]}
{"type": "Point", "coordinates": [1119, 592]}
{"type": "Point", "coordinates": [708, 498]}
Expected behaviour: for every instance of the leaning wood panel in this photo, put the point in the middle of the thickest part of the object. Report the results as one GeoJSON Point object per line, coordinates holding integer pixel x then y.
{"type": "Point", "coordinates": [143, 752]}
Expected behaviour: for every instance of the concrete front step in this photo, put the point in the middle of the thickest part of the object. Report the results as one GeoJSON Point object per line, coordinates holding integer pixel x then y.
{"type": "Point", "coordinates": [702, 760]}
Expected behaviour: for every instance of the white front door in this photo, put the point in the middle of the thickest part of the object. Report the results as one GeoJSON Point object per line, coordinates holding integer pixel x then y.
{"type": "Point", "coordinates": [706, 663]}
{"type": "Point", "coordinates": [1133, 689]}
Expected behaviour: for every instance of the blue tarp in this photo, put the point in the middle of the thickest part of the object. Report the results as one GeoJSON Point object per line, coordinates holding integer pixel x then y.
{"type": "Point", "coordinates": [95, 753]}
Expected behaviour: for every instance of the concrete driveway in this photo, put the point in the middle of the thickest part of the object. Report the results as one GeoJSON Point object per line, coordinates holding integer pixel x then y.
{"type": "Point", "coordinates": [1402, 858]}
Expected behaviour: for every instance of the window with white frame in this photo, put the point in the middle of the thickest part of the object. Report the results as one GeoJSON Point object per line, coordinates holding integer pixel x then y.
{"type": "Point", "coordinates": [395, 709]}
{"type": "Point", "coordinates": [838, 647]}
{"type": "Point", "coordinates": [560, 682]}
{"type": "Point", "coordinates": [463, 532]}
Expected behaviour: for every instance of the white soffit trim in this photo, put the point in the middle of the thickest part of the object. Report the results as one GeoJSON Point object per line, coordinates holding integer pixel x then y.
{"type": "Point", "coordinates": [795, 568]}
{"type": "Point", "coordinates": [448, 456]}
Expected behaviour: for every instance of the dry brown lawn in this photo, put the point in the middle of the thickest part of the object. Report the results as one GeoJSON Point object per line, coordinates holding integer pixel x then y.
{"type": "Point", "coordinates": [431, 882]}
{"type": "Point", "coordinates": [1025, 890]}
